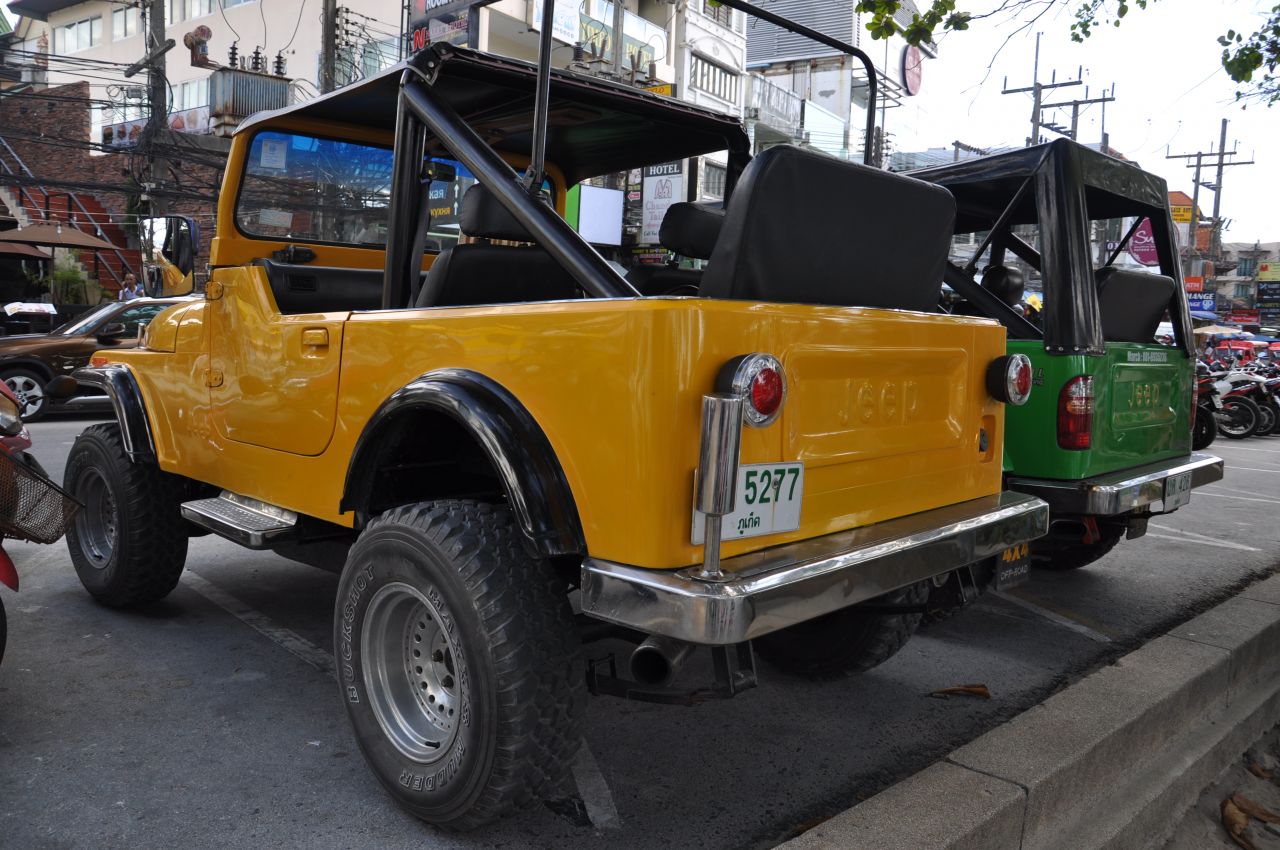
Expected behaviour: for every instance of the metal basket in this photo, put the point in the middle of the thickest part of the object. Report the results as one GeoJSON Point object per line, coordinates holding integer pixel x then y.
{"type": "Point", "coordinates": [31, 506]}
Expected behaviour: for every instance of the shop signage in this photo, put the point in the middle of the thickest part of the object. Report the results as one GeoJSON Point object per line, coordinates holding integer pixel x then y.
{"type": "Point", "coordinates": [1269, 271]}
{"type": "Point", "coordinates": [127, 133]}
{"type": "Point", "coordinates": [443, 21]}
{"type": "Point", "coordinates": [1193, 283]}
{"type": "Point", "coordinates": [664, 89]}
{"type": "Point", "coordinates": [1243, 317]}
{"type": "Point", "coordinates": [564, 20]}
{"type": "Point", "coordinates": [1181, 214]}
{"type": "Point", "coordinates": [663, 186]}
{"type": "Point", "coordinates": [1142, 245]}
{"type": "Point", "coordinates": [1269, 291]}
{"type": "Point", "coordinates": [912, 69]}
{"type": "Point", "coordinates": [1205, 301]}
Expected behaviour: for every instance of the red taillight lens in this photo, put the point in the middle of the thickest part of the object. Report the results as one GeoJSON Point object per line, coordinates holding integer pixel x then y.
{"type": "Point", "coordinates": [759, 380]}
{"type": "Point", "coordinates": [766, 391]}
{"type": "Point", "coordinates": [1075, 414]}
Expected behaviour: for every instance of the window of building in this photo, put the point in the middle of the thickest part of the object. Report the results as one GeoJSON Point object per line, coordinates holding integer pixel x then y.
{"type": "Point", "coordinates": [722, 15]}
{"type": "Point", "coordinates": [78, 36]}
{"type": "Point", "coordinates": [379, 55]}
{"type": "Point", "coordinates": [227, 4]}
{"type": "Point", "coordinates": [1248, 267]}
{"type": "Point", "coordinates": [182, 10]}
{"type": "Point", "coordinates": [190, 95]}
{"type": "Point", "coordinates": [713, 180]}
{"type": "Point", "coordinates": [707, 76]}
{"type": "Point", "coordinates": [124, 24]}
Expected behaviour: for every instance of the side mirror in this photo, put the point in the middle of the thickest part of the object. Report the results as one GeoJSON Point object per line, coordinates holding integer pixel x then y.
{"type": "Point", "coordinates": [170, 245]}
{"type": "Point", "coordinates": [111, 332]}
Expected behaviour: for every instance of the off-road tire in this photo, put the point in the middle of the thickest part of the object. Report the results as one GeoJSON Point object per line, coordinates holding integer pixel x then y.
{"type": "Point", "coordinates": [851, 640]}
{"type": "Point", "coordinates": [1061, 555]}
{"type": "Point", "coordinates": [140, 559]}
{"type": "Point", "coordinates": [517, 676]}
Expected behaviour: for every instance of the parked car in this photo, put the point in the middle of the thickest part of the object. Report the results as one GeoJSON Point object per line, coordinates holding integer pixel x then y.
{"type": "Point", "coordinates": [28, 362]}
{"type": "Point", "coordinates": [1106, 437]}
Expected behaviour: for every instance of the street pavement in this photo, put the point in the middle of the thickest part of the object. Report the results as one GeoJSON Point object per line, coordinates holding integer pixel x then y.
{"type": "Point", "coordinates": [212, 720]}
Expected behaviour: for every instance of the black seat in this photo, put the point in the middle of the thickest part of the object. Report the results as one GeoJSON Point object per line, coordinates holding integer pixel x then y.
{"type": "Point", "coordinates": [804, 227]}
{"type": "Point", "coordinates": [689, 230]}
{"type": "Point", "coordinates": [1132, 303]}
{"type": "Point", "coordinates": [481, 273]}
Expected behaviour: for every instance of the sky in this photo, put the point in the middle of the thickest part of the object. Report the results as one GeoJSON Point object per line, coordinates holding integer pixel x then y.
{"type": "Point", "coordinates": [1171, 93]}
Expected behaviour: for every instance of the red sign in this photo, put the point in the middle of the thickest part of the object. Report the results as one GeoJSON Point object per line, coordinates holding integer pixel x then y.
{"type": "Point", "coordinates": [1142, 245]}
{"type": "Point", "coordinates": [912, 69]}
{"type": "Point", "coordinates": [1243, 317]}
{"type": "Point", "coordinates": [1193, 283]}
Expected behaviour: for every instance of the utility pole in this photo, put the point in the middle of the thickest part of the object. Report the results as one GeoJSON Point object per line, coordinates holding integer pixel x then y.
{"type": "Point", "coordinates": [329, 46]}
{"type": "Point", "coordinates": [961, 146]}
{"type": "Point", "coordinates": [158, 118]}
{"type": "Point", "coordinates": [1037, 90]}
{"type": "Point", "coordinates": [1215, 240]}
{"type": "Point", "coordinates": [1075, 105]}
{"type": "Point", "coordinates": [619, 22]}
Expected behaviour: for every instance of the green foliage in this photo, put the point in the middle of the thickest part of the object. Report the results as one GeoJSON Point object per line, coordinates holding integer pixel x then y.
{"type": "Point", "coordinates": [1245, 55]}
{"type": "Point", "coordinates": [1250, 60]}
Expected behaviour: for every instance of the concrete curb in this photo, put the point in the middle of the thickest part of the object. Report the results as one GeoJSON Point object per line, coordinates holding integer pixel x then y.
{"type": "Point", "coordinates": [1107, 763]}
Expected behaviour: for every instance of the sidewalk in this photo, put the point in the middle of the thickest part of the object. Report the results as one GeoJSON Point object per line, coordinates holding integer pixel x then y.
{"type": "Point", "coordinates": [1111, 762]}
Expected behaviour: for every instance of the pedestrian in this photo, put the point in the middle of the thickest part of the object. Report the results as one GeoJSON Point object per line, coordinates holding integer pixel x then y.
{"type": "Point", "coordinates": [130, 289]}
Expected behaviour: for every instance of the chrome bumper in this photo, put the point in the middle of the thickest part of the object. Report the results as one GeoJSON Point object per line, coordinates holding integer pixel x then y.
{"type": "Point", "coordinates": [1119, 492]}
{"type": "Point", "coordinates": [762, 592]}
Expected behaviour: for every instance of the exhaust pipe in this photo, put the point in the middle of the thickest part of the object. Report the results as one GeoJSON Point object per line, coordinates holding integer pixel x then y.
{"type": "Point", "coordinates": [657, 661]}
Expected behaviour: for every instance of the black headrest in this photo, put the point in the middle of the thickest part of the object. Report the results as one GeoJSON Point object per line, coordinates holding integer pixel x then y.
{"type": "Point", "coordinates": [691, 230]}
{"type": "Point", "coordinates": [484, 216]}
{"type": "Point", "coordinates": [1004, 283]}
{"type": "Point", "coordinates": [1132, 303]}
{"type": "Point", "coordinates": [804, 227]}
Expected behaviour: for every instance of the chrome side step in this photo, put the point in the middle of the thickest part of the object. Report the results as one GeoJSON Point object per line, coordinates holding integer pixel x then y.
{"type": "Point", "coordinates": [249, 522]}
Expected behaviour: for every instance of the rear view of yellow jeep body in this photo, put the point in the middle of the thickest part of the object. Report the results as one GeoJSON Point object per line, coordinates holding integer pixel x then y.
{"type": "Point", "coordinates": [485, 435]}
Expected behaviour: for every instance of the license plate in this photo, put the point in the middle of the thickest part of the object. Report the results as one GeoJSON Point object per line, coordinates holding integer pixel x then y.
{"type": "Point", "coordinates": [1177, 490]}
{"type": "Point", "coordinates": [1013, 566]}
{"type": "Point", "coordinates": [767, 502]}
{"type": "Point", "coordinates": [1217, 402]}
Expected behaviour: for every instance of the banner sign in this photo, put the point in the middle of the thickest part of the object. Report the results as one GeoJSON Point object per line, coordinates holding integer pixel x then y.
{"type": "Point", "coordinates": [1206, 301]}
{"type": "Point", "coordinates": [1193, 283]}
{"type": "Point", "coordinates": [1244, 317]}
{"type": "Point", "coordinates": [437, 21]}
{"type": "Point", "coordinates": [663, 186]}
{"type": "Point", "coordinates": [1269, 271]}
{"type": "Point", "coordinates": [1142, 245]}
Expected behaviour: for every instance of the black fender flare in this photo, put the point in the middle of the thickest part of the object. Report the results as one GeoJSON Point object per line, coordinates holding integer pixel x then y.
{"type": "Point", "coordinates": [536, 487]}
{"type": "Point", "coordinates": [118, 383]}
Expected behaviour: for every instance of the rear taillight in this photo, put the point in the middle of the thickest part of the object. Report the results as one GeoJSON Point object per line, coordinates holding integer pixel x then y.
{"type": "Point", "coordinates": [1009, 379]}
{"type": "Point", "coordinates": [1075, 414]}
{"type": "Point", "coordinates": [759, 380]}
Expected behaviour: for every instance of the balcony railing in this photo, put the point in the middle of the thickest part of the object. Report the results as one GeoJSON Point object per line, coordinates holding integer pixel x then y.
{"type": "Point", "coordinates": [772, 104]}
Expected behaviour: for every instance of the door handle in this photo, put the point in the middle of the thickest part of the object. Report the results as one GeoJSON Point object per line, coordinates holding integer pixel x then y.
{"type": "Point", "coordinates": [315, 337]}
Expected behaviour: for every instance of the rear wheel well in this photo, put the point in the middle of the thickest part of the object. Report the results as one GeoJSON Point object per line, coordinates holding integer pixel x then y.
{"type": "Point", "coordinates": [34, 366]}
{"type": "Point", "coordinates": [424, 454]}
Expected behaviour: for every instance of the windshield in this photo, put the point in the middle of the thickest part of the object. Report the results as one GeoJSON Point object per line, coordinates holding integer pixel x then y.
{"type": "Point", "coordinates": [83, 322]}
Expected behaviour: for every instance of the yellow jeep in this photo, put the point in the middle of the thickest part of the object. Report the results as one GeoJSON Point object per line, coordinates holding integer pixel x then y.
{"type": "Point", "coordinates": [504, 446]}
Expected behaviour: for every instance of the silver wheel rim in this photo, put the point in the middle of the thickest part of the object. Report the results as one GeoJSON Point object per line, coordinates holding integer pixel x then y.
{"type": "Point", "coordinates": [29, 392]}
{"type": "Point", "coordinates": [411, 672]}
{"type": "Point", "coordinates": [96, 525]}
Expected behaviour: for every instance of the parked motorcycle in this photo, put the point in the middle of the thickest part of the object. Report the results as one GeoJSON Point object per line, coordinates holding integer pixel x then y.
{"type": "Point", "coordinates": [1208, 404]}
{"type": "Point", "coordinates": [1247, 409]}
{"type": "Point", "coordinates": [31, 506]}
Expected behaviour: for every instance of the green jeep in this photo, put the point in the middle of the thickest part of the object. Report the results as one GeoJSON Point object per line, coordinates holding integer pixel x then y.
{"type": "Point", "coordinates": [1106, 437]}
